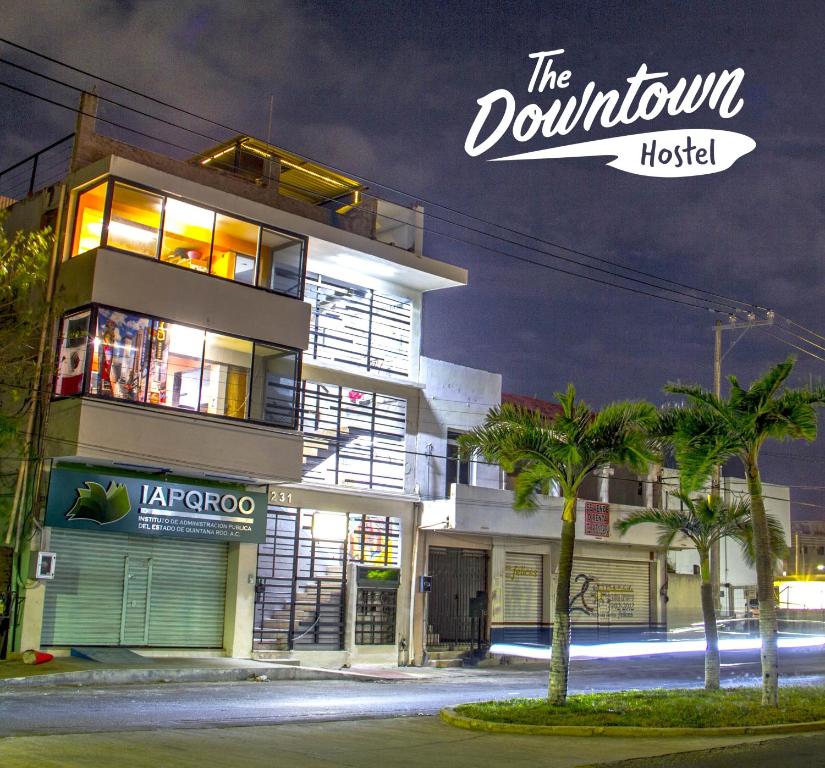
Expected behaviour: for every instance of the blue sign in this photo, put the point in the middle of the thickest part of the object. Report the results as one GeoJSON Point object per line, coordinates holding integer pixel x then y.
{"type": "Point", "coordinates": [97, 500]}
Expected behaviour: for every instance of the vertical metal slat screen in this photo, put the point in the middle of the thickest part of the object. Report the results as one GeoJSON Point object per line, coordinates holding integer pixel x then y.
{"type": "Point", "coordinates": [352, 437]}
{"type": "Point", "coordinates": [358, 326]}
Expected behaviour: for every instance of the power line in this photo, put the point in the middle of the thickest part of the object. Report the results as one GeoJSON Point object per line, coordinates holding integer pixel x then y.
{"type": "Point", "coordinates": [523, 259]}
{"type": "Point", "coordinates": [407, 195]}
{"type": "Point", "coordinates": [110, 101]}
{"type": "Point", "coordinates": [795, 346]}
{"type": "Point", "coordinates": [716, 298]}
{"type": "Point", "coordinates": [103, 120]}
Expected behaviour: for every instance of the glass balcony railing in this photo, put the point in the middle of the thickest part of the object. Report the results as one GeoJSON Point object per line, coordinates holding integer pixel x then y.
{"type": "Point", "coordinates": [127, 217]}
{"type": "Point", "coordinates": [132, 358]}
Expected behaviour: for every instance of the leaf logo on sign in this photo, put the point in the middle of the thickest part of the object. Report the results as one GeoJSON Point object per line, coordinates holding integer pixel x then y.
{"type": "Point", "coordinates": [101, 506]}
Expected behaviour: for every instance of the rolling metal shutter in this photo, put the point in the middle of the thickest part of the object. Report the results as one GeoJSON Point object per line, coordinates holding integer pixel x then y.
{"type": "Point", "coordinates": [116, 589]}
{"type": "Point", "coordinates": [523, 588]}
{"type": "Point", "coordinates": [610, 591]}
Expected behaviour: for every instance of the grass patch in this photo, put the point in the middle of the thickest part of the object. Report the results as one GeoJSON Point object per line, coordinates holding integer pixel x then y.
{"type": "Point", "coordinates": [659, 708]}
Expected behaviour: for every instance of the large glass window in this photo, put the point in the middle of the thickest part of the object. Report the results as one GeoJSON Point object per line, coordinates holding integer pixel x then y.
{"type": "Point", "coordinates": [120, 354]}
{"type": "Point", "coordinates": [89, 219]}
{"type": "Point", "coordinates": [274, 390]}
{"type": "Point", "coordinates": [227, 363]}
{"type": "Point", "coordinates": [177, 359]}
{"type": "Point", "coordinates": [234, 249]}
{"type": "Point", "coordinates": [71, 354]}
{"type": "Point", "coordinates": [147, 360]}
{"type": "Point", "coordinates": [134, 223]}
{"type": "Point", "coordinates": [187, 235]}
{"type": "Point", "coordinates": [193, 237]}
{"type": "Point", "coordinates": [281, 263]}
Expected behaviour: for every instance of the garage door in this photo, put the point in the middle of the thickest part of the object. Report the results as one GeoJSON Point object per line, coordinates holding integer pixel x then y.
{"type": "Point", "coordinates": [523, 588]}
{"type": "Point", "coordinates": [116, 589]}
{"type": "Point", "coordinates": [610, 591]}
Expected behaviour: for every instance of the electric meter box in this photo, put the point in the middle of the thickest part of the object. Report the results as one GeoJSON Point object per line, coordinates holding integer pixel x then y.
{"type": "Point", "coordinates": [43, 566]}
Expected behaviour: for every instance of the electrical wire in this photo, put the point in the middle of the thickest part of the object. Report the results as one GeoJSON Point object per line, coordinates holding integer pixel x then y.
{"type": "Point", "coordinates": [430, 215]}
{"type": "Point", "coordinates": [523, 259]}
{"type": "Point", "coordinates": [407, 195]}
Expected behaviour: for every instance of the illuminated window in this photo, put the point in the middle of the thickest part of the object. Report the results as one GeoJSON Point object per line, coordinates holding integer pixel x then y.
{"type": "Point", "coordinates": [274, 390]}
{"type": "Point", "coordinates": [134, 221]}
{"type": "Point", "coordinates": [227, 363]}
{"type": "Point", "coordinates": [71, 355]}
{"type": "Point", "coordinates": [89, 219]}
{"type": "Point", "coordinates": [121, 348]}
{"type": "Point", "coordinates": [147, 360]}
{"type": "Point", "coordinates": [281, 263]}
{"type": "Point", "coordinates": [193, 237]}
{"type": "Point", "coordinates": [234, 249]}
{"type": "Point", "coordinates": [187, 235]}
{"type": "Point", "coordinates": [177, 358]}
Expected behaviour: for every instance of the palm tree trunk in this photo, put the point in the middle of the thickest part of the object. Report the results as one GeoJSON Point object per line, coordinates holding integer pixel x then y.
{"type": "Point", "coordinates": [560, 660]}
{"type": "Point", "coordinates": [711, 631]}
{"type": "Point", "coordinates": [764, 587]}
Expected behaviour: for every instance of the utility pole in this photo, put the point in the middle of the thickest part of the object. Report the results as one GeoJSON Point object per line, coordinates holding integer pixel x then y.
{"type": "Point", "coordinates": [716, 476]}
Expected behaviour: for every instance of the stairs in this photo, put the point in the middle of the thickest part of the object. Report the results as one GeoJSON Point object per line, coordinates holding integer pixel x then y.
{"type": "Point", "coordinates": [277, 657]}
{"type": "Point", "coordinates": [447, 658]}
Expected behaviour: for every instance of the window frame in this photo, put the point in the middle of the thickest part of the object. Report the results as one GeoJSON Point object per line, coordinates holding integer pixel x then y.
{"type": "Point", "coordinates": [110, 180]}
{"type": "Point", "coordinates": [93, 309]}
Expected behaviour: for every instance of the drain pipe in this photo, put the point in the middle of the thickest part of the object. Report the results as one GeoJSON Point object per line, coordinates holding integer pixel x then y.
{"type": "Point", "coordinates": [417, 512]}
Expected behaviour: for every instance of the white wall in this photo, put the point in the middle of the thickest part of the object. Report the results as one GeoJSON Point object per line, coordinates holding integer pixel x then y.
{"type": "Point", "coordinates": [456, 398]}
{"type": "Point", "coordinates": [732, 567]}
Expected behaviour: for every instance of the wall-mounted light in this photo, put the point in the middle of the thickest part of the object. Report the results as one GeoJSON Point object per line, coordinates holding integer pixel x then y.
{"type": "Point", "coordinates": [329, 526]}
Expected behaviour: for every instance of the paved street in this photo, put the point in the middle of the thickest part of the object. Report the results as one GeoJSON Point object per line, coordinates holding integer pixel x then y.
{"type": "Point", "coordinates": [401, 743]}
{"type": "Point", "coordinates": [201, 705]}
{"type": "Point", "coordinates": [799, 751]}
{"type": "Point", "coordinates": [343, 724]}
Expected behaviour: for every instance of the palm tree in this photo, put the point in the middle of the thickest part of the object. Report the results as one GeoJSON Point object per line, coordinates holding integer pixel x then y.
{"type": "Point", "coordinates": [704, 521]}
{"type": "Point", "coordinates": [712, 429]}
{"type": "Point", "coordinates": [562, 449]}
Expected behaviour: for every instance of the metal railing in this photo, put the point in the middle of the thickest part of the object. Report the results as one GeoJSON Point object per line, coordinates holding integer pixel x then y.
{"type": "Point", "coordinates": [35, 172]}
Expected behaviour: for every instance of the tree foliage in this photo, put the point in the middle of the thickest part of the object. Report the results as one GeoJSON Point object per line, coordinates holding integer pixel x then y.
{"type": "Point", "coordinates": [711, 429]}
{"type": "Point", "coordinates": [24, 260]}
{"type": "Point", "coordinates": [562, 449]}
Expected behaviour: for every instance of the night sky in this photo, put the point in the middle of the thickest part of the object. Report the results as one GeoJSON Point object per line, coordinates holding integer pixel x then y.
{"type": "Point", "coordinates": [388, 91]}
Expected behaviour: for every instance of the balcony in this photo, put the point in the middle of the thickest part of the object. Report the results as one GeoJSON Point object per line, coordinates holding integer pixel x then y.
{"type": "Point", "coordinates": [489, 511]}
{"type": "Point", "coordinates": [109, 432]}
{"type": "Point", "coordinates": [118, 279]}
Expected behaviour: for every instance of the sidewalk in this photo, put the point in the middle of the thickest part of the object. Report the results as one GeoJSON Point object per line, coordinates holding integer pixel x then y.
{"type": "Point", "coordinates": [420, 742]}
{"type": "Point", "coordinates": [70, 670]}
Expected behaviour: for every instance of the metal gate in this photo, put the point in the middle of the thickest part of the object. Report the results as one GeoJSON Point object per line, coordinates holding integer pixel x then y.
{"type": "Point", "coordinates": [457, 604]}
{"type": "Point", "coordinates": [300, 592]}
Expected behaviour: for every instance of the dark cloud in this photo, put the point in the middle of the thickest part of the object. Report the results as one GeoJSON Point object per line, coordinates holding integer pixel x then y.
{"type": "Point", "coordinates": [389, 90]}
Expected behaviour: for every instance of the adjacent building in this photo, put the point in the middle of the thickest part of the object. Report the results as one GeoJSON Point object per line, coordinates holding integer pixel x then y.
{"type": "Point", "coordinates": [246, 453]}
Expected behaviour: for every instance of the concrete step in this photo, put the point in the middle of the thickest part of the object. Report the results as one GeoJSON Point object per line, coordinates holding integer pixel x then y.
{"type": "Point", "coordinates": [275, 655]}
{"type": "Point", "coordinates": [446, 663]}
{"type": "Point", "coordinates": [457, 654]}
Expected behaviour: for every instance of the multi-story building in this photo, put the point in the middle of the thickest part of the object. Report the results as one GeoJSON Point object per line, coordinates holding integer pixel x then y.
{"type": "Point", "coordinates": [245, 451]}
{"type": "Point", "coordinates": [227, 327]}
{"type": "Point", "coordinates": [493, 571]}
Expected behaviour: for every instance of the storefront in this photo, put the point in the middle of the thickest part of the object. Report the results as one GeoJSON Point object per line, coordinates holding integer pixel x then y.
{"type": "Point", "coordinates": [140, 561]}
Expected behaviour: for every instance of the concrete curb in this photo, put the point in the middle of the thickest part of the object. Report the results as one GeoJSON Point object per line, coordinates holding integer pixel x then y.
{"type": "Point", "coordinates": [180, 675]}
{"type": "Point", "coordinates": [451, 717]}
